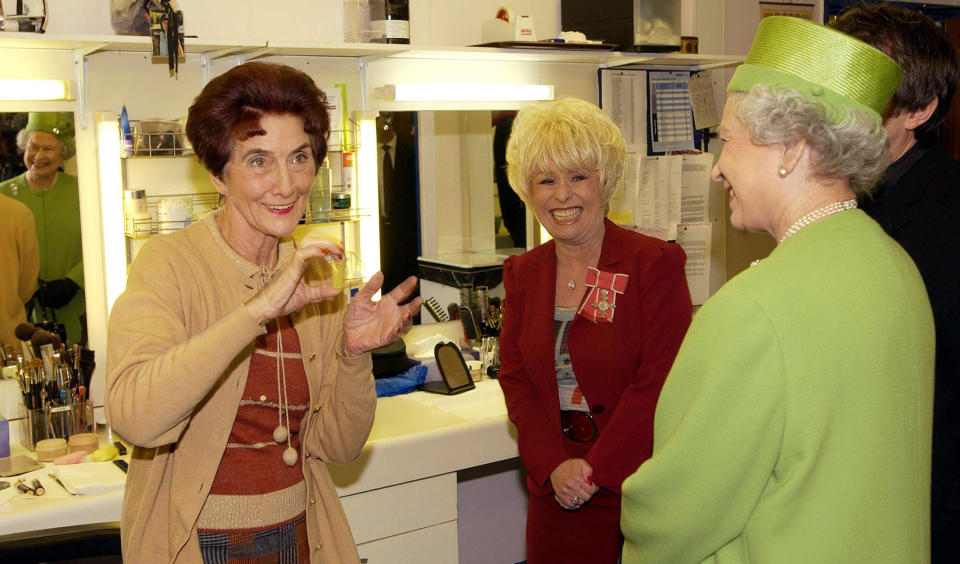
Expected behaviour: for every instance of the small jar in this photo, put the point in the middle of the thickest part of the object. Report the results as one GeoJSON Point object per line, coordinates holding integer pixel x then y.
{"type": "Point", "coordinates": [136, 218]}
{"type": "Point", "coordinates": [174, 213]}
{"type": "Point", "coordinates": [340, 203]}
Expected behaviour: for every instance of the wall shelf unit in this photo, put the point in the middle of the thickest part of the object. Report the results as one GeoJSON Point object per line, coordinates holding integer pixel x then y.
{"type": "Point", "coordinates": [368, 57]}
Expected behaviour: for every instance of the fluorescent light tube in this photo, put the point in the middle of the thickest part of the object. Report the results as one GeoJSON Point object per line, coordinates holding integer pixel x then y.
{"type": "Point", "coordinates": [465, 92]}
{"type": "Point", "coordinates": [35, 89]}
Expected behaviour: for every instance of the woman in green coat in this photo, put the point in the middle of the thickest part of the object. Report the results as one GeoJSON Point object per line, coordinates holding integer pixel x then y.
{"type": "Point", "coordinates": [795, 424]}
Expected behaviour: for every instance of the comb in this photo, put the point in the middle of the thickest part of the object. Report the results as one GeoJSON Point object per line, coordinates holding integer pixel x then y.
{"type": "Point", "coordinates": [433, 308]}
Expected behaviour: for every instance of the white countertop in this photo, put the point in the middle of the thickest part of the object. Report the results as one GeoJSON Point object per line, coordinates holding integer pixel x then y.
{"type": "Point", "coordinates": [421, 434]}
{"type": "Point", "coordinates": [470, 260]}
{"type": "Point", "coordinates": [414, 436]}
{"type": "Point", "coordinates": [56, 508]}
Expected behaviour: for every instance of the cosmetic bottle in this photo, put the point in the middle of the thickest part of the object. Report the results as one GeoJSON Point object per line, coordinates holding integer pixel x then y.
{"type": "Point", "coordinates": [390, 21]}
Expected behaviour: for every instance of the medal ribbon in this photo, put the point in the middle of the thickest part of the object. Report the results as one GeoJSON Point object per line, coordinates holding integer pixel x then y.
{"type": "Point", "coordinates": [600, 302]}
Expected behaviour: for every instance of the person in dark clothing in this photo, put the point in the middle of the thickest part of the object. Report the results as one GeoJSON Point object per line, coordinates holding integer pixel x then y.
{"type": "Point", "coordinates": [512, 209]}
{"type": "Point", "coordinates": [918, 203]}
{"type": "Point", "coordinates": [399, 200]}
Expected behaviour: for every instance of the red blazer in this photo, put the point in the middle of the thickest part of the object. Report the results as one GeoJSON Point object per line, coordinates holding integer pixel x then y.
{"type": "Point", "coordinates": [620, 366]}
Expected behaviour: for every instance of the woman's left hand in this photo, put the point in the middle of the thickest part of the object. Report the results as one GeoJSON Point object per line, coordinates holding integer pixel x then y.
{"type": "Point", "coordinates": [572, 483]}
{"type": "Point", "coordinates": [369, 324]}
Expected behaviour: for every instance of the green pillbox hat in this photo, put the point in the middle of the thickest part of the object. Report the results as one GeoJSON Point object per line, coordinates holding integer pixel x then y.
{"type": "Point", "coordinates": [57, 123]}
{"type": "Point", "coordinates": [827, 65]}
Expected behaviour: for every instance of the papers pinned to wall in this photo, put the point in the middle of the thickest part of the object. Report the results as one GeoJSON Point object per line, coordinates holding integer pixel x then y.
{"type": "Point", "coordinates": [624, 99]}
{"type": "Point", "coordinates": [668, 197]}
{"type": "Point", "coordinates": [658, 199]}
{"type": "Point", "coordinates": [696, 239]}
{"type": "Point", "coordinates": [671, 116]}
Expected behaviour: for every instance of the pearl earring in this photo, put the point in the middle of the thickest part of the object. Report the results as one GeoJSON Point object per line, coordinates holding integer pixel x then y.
{"type": "Point", "coordinates": [782, 171]}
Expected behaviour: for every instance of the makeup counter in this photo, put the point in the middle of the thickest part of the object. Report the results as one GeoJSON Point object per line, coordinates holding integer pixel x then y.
{"type": "Point", "coordinates": [439, 480]}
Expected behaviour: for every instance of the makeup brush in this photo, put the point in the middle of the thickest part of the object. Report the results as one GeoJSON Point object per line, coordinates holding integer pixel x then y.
{"type": "Point", "coordinates": [24, 331]}
{"type": "Point", "coordinates": [41, 337]}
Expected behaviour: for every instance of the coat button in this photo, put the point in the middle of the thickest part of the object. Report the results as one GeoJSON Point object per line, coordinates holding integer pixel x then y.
{"type": "Point", "coordinates": [313, 356]}
{"type": "Point", "coordinates": [316, 408]}
{"type": "Point", "coordinates": [307, 455]}
{"type": "Point", "coordinates": [312, 501]}
{"type": "Point", "coordinates": [597, 409]}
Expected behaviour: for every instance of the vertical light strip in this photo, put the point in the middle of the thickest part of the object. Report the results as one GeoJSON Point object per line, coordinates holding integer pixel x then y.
{"type": "Point", "coordinates": [368, 200]}
{"type": "Point", "coordinates": [544, 234]}
{"type": "Point", "coordinates": [111, 205]}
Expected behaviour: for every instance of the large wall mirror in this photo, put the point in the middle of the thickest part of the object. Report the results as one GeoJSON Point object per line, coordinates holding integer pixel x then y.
{"type": "Point", "coordinates": [38, 167]}
{"type": "Point", "coordinates": [468, 205]}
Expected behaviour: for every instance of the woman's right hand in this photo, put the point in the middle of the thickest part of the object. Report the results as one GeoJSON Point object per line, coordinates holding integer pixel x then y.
{"type": "Point", "coordinates": [572, 483]}
{"type": "Point", "coordinates": [288, 292]}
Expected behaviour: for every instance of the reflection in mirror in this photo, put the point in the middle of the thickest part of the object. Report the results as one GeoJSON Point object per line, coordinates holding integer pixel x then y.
{"type": "Point", "coordinates": [510, 221]}
{"type": "Point", "coordinates": [39, 169]}
{"type": "Point", "coordinates": [468, 206]}
{"type": "Point", "coordinates": [399, 195]}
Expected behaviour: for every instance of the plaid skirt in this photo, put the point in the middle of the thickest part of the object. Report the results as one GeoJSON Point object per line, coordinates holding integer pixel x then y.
{"type": "Point", "coordinates": [284, 544]}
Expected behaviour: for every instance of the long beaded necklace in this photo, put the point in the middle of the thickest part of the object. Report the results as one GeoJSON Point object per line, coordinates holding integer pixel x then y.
{"type": "Point", "coordinates": [817, 215]}
{"type": "Point", "coordinates": [282, 432]}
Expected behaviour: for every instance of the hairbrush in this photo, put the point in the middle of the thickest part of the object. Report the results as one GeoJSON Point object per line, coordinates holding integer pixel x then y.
{"type": "Point", "coordinates": [471, 329]}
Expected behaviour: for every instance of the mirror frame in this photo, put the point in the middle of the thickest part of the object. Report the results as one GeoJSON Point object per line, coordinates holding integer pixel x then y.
{"type": "Point", "coordinates": [91, 230]}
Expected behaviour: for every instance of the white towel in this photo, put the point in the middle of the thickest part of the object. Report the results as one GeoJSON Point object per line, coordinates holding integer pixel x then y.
{"type": "Point", "coordinates": [91, 477]}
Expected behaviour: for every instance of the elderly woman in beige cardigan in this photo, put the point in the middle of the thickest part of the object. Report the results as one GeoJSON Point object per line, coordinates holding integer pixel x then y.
{"type": "Point", "coordinates": [233, 378]}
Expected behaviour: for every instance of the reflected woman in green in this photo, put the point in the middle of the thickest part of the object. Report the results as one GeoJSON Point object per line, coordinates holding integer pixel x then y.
{"type": "Point", "coordinates": [53, 197]}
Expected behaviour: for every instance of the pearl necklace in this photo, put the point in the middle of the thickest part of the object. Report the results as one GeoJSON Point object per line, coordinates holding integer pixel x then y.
{"type": "Point", "coordinates": [817, 215]}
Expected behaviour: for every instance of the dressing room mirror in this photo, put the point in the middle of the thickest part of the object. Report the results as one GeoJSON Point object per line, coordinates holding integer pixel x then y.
{"type": "Point", "coordinates": [33, 162]}
{"type": "Point", "coordinates": [463, 176]}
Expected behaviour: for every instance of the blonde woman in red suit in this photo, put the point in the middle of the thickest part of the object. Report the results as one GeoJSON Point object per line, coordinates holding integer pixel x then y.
{"type": "Point", "coordinates": [593, 321]}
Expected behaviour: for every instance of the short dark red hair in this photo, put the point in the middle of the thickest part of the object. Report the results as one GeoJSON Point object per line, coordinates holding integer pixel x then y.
{"type": "Point", "coordinates": [230, 106]}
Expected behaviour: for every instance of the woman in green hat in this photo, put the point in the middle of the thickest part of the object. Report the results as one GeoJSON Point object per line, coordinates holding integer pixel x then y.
{"type": "Point", "coordinates": [795, 424]}
{"type": "Point", "coordinates": [53, 197]}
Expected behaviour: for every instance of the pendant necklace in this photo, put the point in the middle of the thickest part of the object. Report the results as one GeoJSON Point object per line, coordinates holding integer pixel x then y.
{"type": "Point", "coordinates": [571, 284]}
{"type": "Point", "coordinates": [282, 432]}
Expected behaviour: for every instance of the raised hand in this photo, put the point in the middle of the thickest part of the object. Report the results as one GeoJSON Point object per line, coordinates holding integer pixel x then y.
{"type": "Point", "coordinates": [288, 292]}
{"type": "Point", "coordinates": [369, 324]}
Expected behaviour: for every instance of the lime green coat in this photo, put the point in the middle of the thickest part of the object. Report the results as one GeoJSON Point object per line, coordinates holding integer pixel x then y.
{"type": "Point", "coordinates": [56, 212]}
{"type": "Point", "coordinates": [795, 423]}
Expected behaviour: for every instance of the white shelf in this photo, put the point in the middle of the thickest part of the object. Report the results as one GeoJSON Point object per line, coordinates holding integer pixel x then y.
{"type": "Point", "coordinates": [224, 46]}
{"type": "Point", "coordinates": [126, 43]}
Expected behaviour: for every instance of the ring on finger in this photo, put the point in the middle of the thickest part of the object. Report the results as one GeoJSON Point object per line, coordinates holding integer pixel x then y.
{"type": "Point", "coordinates": [575, 501]}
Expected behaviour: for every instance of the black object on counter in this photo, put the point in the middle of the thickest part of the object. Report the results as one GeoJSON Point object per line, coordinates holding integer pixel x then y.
{"type": "Point", "coordinates": [455, 377]}
{"type": "Point", "coordinates": [390, 359]}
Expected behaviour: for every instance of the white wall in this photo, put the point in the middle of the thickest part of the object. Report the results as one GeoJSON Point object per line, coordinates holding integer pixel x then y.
{"type": "Point", "coordinates": [432, 22]}
{"type": "Point", "coordinates": [740, 20]}
{"type": "Point", "coordinates": [458, 22]}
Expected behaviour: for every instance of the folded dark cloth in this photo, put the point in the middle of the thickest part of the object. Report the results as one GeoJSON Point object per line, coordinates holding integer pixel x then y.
{"type": "Point", "coordinates": [402, 383]}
